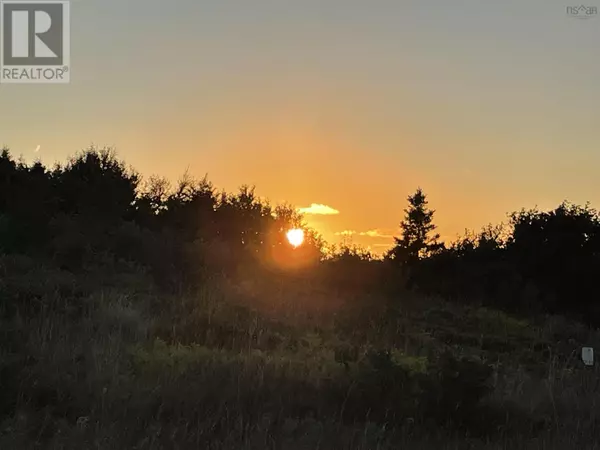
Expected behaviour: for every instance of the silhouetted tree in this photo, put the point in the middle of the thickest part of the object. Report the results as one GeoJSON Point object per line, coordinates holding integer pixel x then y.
{"type": "Point", "coordinates": [28, 200]}
{"type": "Point", "coordinates": [190, 209]}
{"type": "Point", "coordinates": [417, 239]}
{"type": "Point", "coordinates": [559, 251]}
{"type": "Point", "coordinates": [96, 185]}
{"type": "Point", "coordinates": [152, 199]}
{"type": "Point", "coordinates": [474, 268]}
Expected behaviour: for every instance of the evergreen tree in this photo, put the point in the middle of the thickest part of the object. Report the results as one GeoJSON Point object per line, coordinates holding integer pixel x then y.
{"type": "Point", "coordinates": [417, 240]}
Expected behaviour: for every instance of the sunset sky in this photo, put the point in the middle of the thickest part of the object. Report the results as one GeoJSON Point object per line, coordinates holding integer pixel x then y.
{"type": "Point", "coordinates": [349, 105]}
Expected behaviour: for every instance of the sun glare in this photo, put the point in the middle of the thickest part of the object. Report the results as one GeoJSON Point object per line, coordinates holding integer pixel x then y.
{"type": "Point", "coordinates": [295, 236]}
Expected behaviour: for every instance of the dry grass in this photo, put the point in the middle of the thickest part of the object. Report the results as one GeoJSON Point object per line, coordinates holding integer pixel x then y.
{"type": "Point", "coordinates": [107, 365]}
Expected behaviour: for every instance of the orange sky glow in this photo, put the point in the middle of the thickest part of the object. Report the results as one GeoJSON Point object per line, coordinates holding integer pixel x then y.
{"type": "Point", "coordinates": [342, 107]}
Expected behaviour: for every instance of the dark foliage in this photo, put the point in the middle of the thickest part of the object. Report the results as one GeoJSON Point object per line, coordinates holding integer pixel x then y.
{"type": "Point", "coordinates": [540, 262]}
{"type": "Point", "coordinates": [96, 209]}
{"type": "Point", "coordinates": [93, 228]}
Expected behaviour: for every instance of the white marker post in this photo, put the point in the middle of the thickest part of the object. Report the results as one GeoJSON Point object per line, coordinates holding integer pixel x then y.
{"type": "Point", "coordinates": [587, 355]}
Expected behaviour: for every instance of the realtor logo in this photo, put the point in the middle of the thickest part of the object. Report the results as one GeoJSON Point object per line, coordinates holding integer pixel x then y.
{"type": "Point", "coordinates": [34, 41]}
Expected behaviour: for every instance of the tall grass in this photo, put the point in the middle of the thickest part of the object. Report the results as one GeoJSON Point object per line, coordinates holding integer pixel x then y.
{"type": "Point", "coordinates": [104, 360]}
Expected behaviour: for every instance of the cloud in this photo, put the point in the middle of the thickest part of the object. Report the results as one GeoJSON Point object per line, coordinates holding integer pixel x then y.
{"type": "Point", "coordinates": [345, 233]}
{"type": "Point", "coordinates": [318, 209]}
{"type": "Point", "coordinates": [375, 234]}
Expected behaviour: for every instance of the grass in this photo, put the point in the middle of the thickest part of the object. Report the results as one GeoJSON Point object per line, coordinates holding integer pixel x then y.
{"type": "Point", "coordinates": [104, 360]}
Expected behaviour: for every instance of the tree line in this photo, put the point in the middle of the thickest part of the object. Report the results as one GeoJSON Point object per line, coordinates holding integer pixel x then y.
{"type": "Point", "coordinates": [539, 261]}
{"type": "Point", "coordinates": [95, 209]}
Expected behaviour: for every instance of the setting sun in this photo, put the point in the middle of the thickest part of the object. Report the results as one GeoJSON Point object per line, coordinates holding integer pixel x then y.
{"type": "Point", "coordinates": [295, 236]}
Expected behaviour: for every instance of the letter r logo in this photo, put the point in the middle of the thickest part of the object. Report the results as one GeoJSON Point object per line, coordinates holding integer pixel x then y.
{"type": "Point", "coordinates": [21, 35]}
{"type": "Point", "coordinates": [32, 33]}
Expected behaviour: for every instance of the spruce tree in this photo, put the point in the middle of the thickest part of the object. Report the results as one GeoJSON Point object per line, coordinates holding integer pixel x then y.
{"type": "Point", "coordinates": [417, 239]}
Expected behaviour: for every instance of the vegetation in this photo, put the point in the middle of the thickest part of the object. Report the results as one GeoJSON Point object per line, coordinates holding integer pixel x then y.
{"type": "Point", "coordinates": [136, 314]}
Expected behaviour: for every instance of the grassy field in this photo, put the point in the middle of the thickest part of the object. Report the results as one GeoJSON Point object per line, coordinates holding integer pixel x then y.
{"type": "Point", "coordinates": [101, 359]}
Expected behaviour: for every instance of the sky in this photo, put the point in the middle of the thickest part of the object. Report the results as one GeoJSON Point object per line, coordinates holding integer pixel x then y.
{"type": "Point", "coordinates": [346, 105]}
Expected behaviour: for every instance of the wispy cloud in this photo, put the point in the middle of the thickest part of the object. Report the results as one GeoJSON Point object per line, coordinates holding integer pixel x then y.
{"type": "Point", "coordinates": [318, 209]}
{"type": "Point", "coordinates": [376, 234]}
{"type": "Point", "coordinates": [345, 233]}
